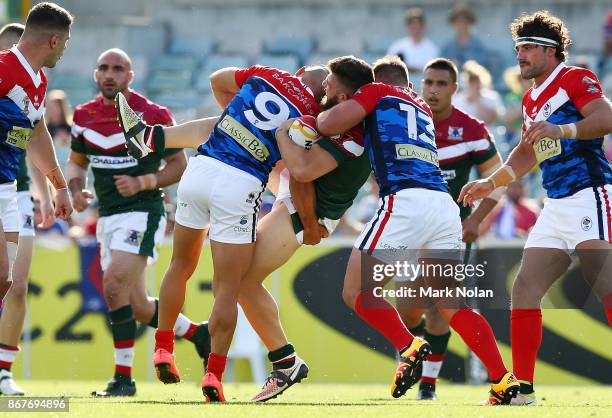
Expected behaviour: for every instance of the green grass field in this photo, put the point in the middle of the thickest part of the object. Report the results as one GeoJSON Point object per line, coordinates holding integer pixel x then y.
{"type": "Point", "coordinates": [318, 400]}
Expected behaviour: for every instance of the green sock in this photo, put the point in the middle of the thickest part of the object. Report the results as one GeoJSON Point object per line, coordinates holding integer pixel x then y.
{"type": "Point", "coordinates": [153, 322]}
{"type": "Point", "coordinates": [159, 139]}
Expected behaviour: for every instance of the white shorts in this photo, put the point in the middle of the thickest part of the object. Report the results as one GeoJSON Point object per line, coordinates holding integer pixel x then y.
{"type": "Point", "coordinates": [212, 193]}
{"type": "Point", "coordinates": [413, 220]}
{"type": "Point", "coordinates": [564, 223]}
{"type": "Point", "coordinates": [8, 207]}
{"type": "Point", "coordinates": [132, 232]}
{"type": "Point", "coordinates": [284, 196]}
{"type": "Point", "coordinates": [25, 206]}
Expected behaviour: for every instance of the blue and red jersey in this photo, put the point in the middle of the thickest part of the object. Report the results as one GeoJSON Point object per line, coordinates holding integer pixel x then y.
{"type": "Point", "coordinates": [568, 165]}
{"type": "Point", "coordinates": [400, 138]}
{"type": "Point", "coordinates": [22, 105]}
{"type": "Point", "coordinates": [244, 137]}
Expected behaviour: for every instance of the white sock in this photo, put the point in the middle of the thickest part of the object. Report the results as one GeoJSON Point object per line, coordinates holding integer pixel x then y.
{"type": "Point", "coordinates": [181, 326]}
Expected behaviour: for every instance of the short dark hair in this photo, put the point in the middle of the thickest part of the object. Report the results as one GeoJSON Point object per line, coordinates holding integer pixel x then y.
{"type": "Point", "coordinates": [543, 24]}
{"type": "Point", "coordinates": [414, 13]}
{"type": "Point", "coordinates": [352, 72]}
{"type": "Point", "coordinates": [15, 29]}
{"type": "Point", "coordinates": [392, 69]}
{"type": "Point", "coordinates": [443, 64]}
{"type": "Point", "coordinates": [50, 17]}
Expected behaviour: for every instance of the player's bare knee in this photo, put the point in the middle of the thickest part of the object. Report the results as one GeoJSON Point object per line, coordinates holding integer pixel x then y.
{"type": "Point", "coordinates": [435, 322]}
{"type": "Point", "coordinates": [5, 285]}
{"type": "Point", "coordinates": [19, 290]}
{"type": "Point", "coordinates": [349, 295]}
{"type": "Point", "coordinates": [525, 293]}
{"type": "Point", "coordinates": [410, 317]}
{"type": "Point", "coordinates": [113, 288]}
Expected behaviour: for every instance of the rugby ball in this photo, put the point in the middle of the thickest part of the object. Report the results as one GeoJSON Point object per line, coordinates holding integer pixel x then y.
{"type": "Point", "coordinates": [303, 131]}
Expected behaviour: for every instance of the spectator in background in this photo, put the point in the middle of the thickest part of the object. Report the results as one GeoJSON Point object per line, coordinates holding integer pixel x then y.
{"type": "Point", "coordinates": [513, 118]}
{"type": "Point", "coordinates": [477, 97]}
{"type": "Point", "coordinates": [605, 63]}
{"type": "Point", "coordinates": [59, 118]}
{"type": "Point", "coordinates": [514, 216]}
{"type": "Point", "coordinates": [415, 49]}
{"type": "Point", "coordinates": [464, 46]}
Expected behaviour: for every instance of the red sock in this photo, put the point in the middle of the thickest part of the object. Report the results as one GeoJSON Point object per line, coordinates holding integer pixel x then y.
{"type": "Point", "coordinates": [525, 337]}
{"type": "Point", "coordinates": [478, 335]}
{"type": "Point", "coordinates": [7, 356]}
{"type": "Point", "coordinates": [216, 365]}
{"type": "Point", "coordinates": [165, 340]}
{"type": "Point", "coordinates": [607, 302]}
{"type": "Point", "coordinates": [383, 317]}
{"type": "Point", "coordinates": [190, 331]}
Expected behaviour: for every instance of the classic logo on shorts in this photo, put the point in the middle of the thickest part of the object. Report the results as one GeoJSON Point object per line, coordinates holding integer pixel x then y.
{"type": "Point", "coordinates": [404, 151]}
{"type": "Point", "coordinates": [133, 237]}
{"type": "Point", "coordinates": [243, 227]}
{"type": "Point", "coordinates": [547, 148]}
{"type": "Point", "coordinates": [586, 223]}
{"type": "Point", "coordinates": [242, 136]}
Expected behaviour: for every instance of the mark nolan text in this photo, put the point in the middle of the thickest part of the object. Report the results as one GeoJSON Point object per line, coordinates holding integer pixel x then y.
{"type": "Point", "coordinates": [430, 292]}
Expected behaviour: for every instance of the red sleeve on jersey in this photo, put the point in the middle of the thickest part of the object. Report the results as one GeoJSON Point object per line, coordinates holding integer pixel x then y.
{"type": "Point", "coordinates": [368, 96]}
{"type": "Point", "coordinates": [241, 76]}
{"type": "Point", "coordinates": [6, 81]}
{"type": "Point", "coordinates": [582, 86]}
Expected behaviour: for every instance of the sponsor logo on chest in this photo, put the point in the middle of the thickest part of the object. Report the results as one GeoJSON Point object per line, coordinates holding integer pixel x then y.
{"type": "Point", "coordinates": [404, 151]}
{"type": "Point", "coordinates": [455, 133]}
{"type": "Point", "coordinates": [111, 163]}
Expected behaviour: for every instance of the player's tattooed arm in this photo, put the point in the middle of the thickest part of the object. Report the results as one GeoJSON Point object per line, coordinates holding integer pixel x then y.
{"type": "Point", "coordinates": [41, 191]}
{"type": "Point", "coordinates": [224, 86]}
{"type": "Point", "coordinates": [304, 198]}
{"type": "Point", "coordinates": [41, 151]}
{"type": "Point", "coordinates": [76, 169]}
{"type": "Point", "coordinates": [304, 165]}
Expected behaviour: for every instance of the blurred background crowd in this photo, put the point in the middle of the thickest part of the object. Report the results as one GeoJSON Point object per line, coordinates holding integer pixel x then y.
{"type": "Point", "coordinates": [176, 45]}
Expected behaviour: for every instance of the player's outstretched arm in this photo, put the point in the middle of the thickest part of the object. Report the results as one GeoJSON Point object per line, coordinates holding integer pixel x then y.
{"type": "Point", "coordinates": [340, 118]}
{"type": "Point", "coordinates": [224, 86]}
{"type": "Point", "coordinates": [597, 122]}
{"type": "Point", "coordinates": [520, 161]}
{"type": "Point", "coordinates": [304, 165]}
{"type": "Point", "coordinates": [41, 151]}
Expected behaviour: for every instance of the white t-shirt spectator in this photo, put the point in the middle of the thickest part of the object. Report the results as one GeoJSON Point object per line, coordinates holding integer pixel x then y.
{"type": "Point", "coordinates": [489, 99]}
{"type": "Point", "coordinates": [414, 55]}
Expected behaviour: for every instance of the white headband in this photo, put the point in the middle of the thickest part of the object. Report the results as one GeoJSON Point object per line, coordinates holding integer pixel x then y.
{"type": "Point", "coordinates": [536, 40]}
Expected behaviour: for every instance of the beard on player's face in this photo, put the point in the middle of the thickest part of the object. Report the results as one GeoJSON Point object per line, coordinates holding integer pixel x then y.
{"type": "Point", "coordinates": [329, 102]}
{"type": "Point", "coordinates": [109, 90]}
